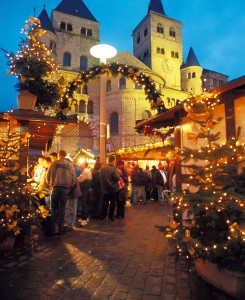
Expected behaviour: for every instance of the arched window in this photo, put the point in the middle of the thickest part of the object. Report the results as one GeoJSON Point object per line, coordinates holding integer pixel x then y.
{"type": "Point", "coordinates": [145, 32]}
{"type": "Point", "coordinates": [172, 53]}
{"type": "Point", "coordinates": [122, 83]}
{"type": "Point", "coordinates": [193, 75]}
{"type": "Point", "coordinates": [83, 62]}
{"type": "Point", "coordinates": [114, 123]}
{"type": "Point", "coordinates": [172, 32]}
{"type": "Point", "coordinates": [85, 90]}
{"type": "Point", "coordinates": [159, 28]}
{"type": "Point", "coordinates": [66, 59]}
{"type": "Point", "coordinates": [63, 25]}
{"type": "Point", "coordinates": [89, 32]}
{"type": "Point", "coordinates": [189, 76]}
{"type": "Point", "coordinates": [69, 27]}
{"type": "Point", "coordinates": [108, 85]}
{"type": "Point", "coordinates": [90, 107]}
{"type": "Point", "coordinates": [52, 46]}
{"type": "Point", "coordinates": [82, 106]}
{"type": "Point", "coordinates": [83, 31]}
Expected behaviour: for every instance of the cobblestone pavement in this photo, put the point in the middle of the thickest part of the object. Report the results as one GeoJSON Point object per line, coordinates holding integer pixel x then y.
{"type": "Point", "coordinates": [125, 259]}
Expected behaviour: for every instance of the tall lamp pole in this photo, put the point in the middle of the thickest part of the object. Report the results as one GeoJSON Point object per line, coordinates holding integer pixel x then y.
{"type": "Point", "coordinates": [103, 52]}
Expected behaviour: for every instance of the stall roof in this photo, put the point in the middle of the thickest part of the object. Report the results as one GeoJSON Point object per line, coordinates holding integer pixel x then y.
{"type": "Point", "coordinates": [41, 127]}
{"type": "Point", "coordinates": [237, 86]}
{"type": "Point", "coordinates": [153, 151]}
{"type": "Point", "coordinates": [166, 118]}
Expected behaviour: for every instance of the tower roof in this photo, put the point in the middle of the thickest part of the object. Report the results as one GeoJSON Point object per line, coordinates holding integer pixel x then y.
{"type": "Point", "coordinates": [75, 8]}
{"type": "Point", "coordinates": [156, 6]}
{"type": "Point", "coordinates": [191, 60]}
{"type": "Point", "coordinates": [45, 21]}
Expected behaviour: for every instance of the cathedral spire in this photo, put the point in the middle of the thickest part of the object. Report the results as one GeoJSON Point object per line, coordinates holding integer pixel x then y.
{"type": "Point", "coordinates": [75, 8]}
{"type": "Point", "coordinates": [191, 60]}
{"type": "Point", "coordinates": [156, 6]}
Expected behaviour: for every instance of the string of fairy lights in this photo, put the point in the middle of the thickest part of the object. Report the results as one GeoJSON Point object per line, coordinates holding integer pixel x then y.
{"type": "Point", "coordinates": [113, 69]}
{"type": "Point", "coordinates": [17, 201]}
{"type": "Point", "coordinates": [209, 201]}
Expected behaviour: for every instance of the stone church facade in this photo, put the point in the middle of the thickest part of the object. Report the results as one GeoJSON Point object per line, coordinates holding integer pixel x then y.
{"type": "Point", "coordinates": [72, 30]}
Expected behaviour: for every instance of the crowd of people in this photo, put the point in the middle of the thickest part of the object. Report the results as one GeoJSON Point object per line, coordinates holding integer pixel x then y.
{"type": "Point", "coordinates": [79, 193]}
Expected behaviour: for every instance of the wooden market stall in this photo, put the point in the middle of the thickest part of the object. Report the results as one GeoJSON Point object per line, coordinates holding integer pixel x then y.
{"type": "Point", "coordinates": [230, 106]}
{"type": "Point", "coordinates": [36, 132]}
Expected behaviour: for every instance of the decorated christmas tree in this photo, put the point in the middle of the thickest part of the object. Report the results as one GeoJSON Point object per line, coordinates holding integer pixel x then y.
{"type": "Point", "coordinates": [35, 67]}
{"type": "Point", "coordinates": [209, 218]}
{"type": "Point", "coordinates": [20, 208]}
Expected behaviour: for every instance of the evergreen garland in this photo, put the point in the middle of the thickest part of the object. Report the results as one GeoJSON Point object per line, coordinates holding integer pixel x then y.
{"type": "Point", "coordinates": [114, 69]}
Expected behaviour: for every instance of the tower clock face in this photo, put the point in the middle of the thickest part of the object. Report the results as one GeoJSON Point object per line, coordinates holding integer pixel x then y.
{"type": "Point", "coordinates": [166, 65]}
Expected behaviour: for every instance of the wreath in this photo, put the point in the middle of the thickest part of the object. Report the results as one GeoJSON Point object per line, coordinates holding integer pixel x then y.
{"type": "Point", "coordinates": [113, 69]}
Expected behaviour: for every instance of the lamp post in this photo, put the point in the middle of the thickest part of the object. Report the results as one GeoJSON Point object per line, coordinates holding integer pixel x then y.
{"type": "Point", "coordinates": [103, 52]}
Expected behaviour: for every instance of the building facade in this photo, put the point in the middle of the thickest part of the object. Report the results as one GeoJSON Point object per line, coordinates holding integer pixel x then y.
{"type": "Point", "coordinates": [72, 30]}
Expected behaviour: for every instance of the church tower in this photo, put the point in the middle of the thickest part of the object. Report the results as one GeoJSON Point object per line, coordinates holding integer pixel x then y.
{"type": "Point", "coordinates": [157, 41]}
{"type": "Point", "coordinates": [191, 74]}
{"type": "Point", "coordinates": [77, 31]}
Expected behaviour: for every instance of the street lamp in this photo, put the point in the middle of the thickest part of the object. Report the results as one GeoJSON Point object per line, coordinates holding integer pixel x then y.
{"type": "Point", "coordinates": [103, 52]}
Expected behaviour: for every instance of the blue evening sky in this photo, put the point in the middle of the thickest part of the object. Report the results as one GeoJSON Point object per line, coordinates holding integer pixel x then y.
{"type": "Point", "coordinates": [214, 28]}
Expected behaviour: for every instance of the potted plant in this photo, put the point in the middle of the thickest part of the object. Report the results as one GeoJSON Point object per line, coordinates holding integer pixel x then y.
{"type": "Point", "coordinates": [209, 217]}
{"type": "Point", "coordinates": [34, 67]}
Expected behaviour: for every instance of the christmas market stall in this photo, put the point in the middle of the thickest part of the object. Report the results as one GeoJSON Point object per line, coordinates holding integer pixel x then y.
{"type": "Point", "coordinates": [208, 224]}
{"type": "Point", "coordinates": [84, 155]}
{"type": "Point", "coordinates": [22, 131]}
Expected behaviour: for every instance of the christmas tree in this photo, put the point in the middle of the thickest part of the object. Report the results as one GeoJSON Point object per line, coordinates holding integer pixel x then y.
{"type": "Point", "coordinates": [19, 204]}
{"type": "Point", "coordinates": [34, 66]}
{"type": "Point", "coordinates": [209, 217]}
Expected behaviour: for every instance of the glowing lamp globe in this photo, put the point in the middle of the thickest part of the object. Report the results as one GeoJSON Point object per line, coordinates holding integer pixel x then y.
{"type": "Point", "coordinates": [103, 52]}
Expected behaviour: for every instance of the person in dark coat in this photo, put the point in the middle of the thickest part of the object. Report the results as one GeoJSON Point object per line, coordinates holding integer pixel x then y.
{"type": "Point", "coordinates": [154, 191]}
{"type": "Point", "coordinates": [135, 185]}
{"type": "Point", "coordinates": [109, 186]}
{"type": "Point", "coordinates": [161, 181]}
{"type": "Point", "coordinates": [96, 194]}
{"type": "Point", "coordinates": [143, 181]}
{"type": "Point", "coordinates": [122, 194]}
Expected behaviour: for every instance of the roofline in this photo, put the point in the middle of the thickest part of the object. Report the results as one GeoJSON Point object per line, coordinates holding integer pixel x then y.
{"type": "Point", "coordinates": [229, 85]}
{"type": "Point", "coordinates": [34, 116]}
{"type": "Point", "coordinates": [167, 115]}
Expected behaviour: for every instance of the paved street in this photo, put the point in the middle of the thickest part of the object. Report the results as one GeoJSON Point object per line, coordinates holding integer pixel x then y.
{"type": "Point", "coordinates": [125, 259]}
